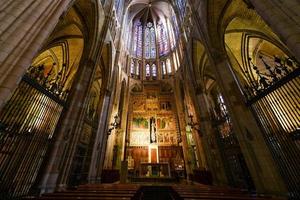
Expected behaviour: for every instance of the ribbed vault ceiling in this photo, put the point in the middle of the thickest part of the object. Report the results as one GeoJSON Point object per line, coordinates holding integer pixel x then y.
{"type": "Point", "coordinates": [146, 9]}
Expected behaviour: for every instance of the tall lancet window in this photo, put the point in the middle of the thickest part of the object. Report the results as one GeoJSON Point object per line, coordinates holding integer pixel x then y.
{"type": "Point", "coordinates": [119, 8]}
{"type": "Point", "coordinates": [162, 39]}
{"type": "Point", "coordinates": [147, 70]}
{"type": "Point", "coordinates": [147, 43]}
{"type": "Point", "coordinates": [150, 47]}
{"type": "Point", "coordinates": [175, 26]}
{"type": "Point", "coordinates": [181, 4]}
{"type": "Point", "coordinates": [164, 70]}
{"type": "Point", "coordinates": [132, 67]}
{"type": "Point", "coordinates": [154, 70]}
{"type": "Point", "coordinates": [172, 36]}
{"type": "Point", "coordinates": [169, 68]}
{"type": "Point", "coordinates": [152, 43]}
{"type": "Point", "coordinates": [138, 40]}
{"type": "Point", "coordinates": [137, 70]}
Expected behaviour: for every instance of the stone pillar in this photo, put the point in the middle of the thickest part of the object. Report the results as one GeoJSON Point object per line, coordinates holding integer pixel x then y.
{"type": "Point", "coordinates": [212, 154]}
{"type": "Point", "coordinates": [284, 19]}
{"type": "Point", "coordinates": [125, 119]}
{"type": "Point", "coordinates": [95, 167]}
{"type": "Point", "coordinates": [197, 135]}
{"type": "Point", "coordinates": [100, 147]}
{"type": "Point", "coordinates": [182, 126]}
{"type": "Point", "coordinates": [104, 130]}
{"type": "Point", "coordinates": [25, 25]}
{"type": "Point", "coordinates": [185, 149]}
{"type": "Point", "coordinates": [258, 157]}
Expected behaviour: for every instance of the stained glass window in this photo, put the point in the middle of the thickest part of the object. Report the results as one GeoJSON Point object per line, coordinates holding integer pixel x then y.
{"type": "Point", "coordinates": [169, 68]}
{"type": "Point", "coordinates": [147, 43]}
{"type": "Point", "coordinates": [152, 43]}
{"type": "Point", "coordinates": [175, 26]}
{"type": "Point", "coordinates": [119, 8]}
{"type": "Point", "coordinates": [137, 70]}
{"type": "Point", "coordinates": [154, 70]}
{"type": "Point", "coordinates": [150, 47]}
{"type": "Point", "coordinates": [137, 39]}
{"type": "Point", "coordinates": [181, 4]}
{"type": "Point", "coordinates": [128, 37]}
{"type": "Point", "coordinates": [132, 67]}
{"type": "Point", "coordinates": [163, 65]}
{"type": "Point", "coordinates": [223, 108]}
{"type": "Point", "coordinates": [172, 36]}
{"type": "Point", "coordinates": [147, 70]}
{"type": "Point", "coordinates": [162, 39]}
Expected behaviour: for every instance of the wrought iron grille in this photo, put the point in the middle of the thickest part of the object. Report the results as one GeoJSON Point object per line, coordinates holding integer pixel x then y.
{"type": "Point", "coordinates": [53, 83]}
{"type": "Point", "coordinates": [274, 97]}
{"type": "Point", "coordinates": [27, 124]}
{"type": "Point", "coordinates": [235, 166]}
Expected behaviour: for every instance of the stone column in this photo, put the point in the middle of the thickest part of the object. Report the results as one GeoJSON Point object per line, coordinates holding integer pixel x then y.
{"type": "Point", "coordinates": [104, 130]}
{"type": "Point", "coordinates": [185, 148]}
{"type": "Point", "coordinates": [95, 167]}
{"type": "Point", "coordinates": [124, 124]}
{"type": "Point", "coordinates": [197, 135]}
{"type": "Point", "coordinates": [124, 128]}
{"type": "Point", "coordinates": [284, 19]}
{"type": "Point", "coordinates": [182, 129]}
{"type": "Point", "coordinates": [212, 154]}
{"type": "Point", "coordinates": [25, 25]}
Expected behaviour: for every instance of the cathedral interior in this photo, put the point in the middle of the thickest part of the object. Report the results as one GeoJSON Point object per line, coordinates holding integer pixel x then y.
{"type": "Point", "coordinates": [147, 96]}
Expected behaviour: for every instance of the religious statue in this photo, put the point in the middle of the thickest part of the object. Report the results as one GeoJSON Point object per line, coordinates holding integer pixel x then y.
{"type": "Point", "coordinates": [152, 130]}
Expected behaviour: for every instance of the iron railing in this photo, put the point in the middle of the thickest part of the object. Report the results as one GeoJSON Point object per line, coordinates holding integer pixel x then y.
{"type": "Point", "coordinates": [27, 124]}
{"type": "Point", "coordinates": [274, 99]}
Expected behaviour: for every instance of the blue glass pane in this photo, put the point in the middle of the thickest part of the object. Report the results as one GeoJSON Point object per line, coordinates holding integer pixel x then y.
{"type": "Point", "coordinates": [152, 43]}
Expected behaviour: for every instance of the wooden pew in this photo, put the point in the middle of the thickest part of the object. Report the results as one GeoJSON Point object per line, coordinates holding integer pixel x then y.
{"type": "Point", "coordinates": [204, 192]}
{"type": "Point", "coordinates": [95, 191]}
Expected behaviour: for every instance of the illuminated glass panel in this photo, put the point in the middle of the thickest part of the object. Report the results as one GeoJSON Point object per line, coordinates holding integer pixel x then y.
{"type": "Point", "coordinates": [163, 65]}
{"type": "Point", "coordinates": [223, 108]}
{"type": "Point", "coordinates": [128, 36]}
{"type": "Point", "coordinates": [172, 36]}
{"type": "Point", "coordinates": [132, 67]}
{"type": "Point", "coordinates": [181, 4]}
{"type": "Point", "coordinates": [147, 43]}
{"type": "Point", "coordinates": [137, 70]}
{"type": "Point", "coordinates": [175, 26]}
{"type": "Point", "coordinates": [154, 70]}
{"type": "Point", "coordinates": [150, 47]}
{"type": "Point", "coordinates": [169, 68]}
{"type": "Point", "coordinates": [119, 8]}
{"type": "Point", "coordinates": [162, 39]}
{"type": "Point", "coordinates": [139, 41]}
{"type": "Point", "coordinates": [152, 43]}
{"type": "Point", "coordinates": [147, 70]}
{"type": "Point", "coordinates": [135, 39]}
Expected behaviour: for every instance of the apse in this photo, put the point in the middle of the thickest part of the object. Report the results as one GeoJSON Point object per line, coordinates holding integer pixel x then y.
{"type": "Point", "coordinates": [152, 40]}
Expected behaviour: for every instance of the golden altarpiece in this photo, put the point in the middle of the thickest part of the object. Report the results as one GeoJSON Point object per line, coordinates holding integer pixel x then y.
{"type": "Point", "coordinates": [153, 148]}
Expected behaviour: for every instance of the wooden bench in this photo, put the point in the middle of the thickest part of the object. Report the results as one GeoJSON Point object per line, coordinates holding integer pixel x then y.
{"type": "Point", "coordinates": [134, 191]}
{"type": "Point", "coordinates": [87, 198]}
{"type": "Point", "coordinates": [95, 191]}
{"type": "Point", "coordinates": [205, 192]}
